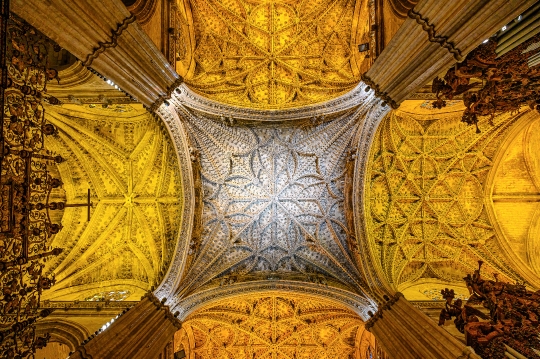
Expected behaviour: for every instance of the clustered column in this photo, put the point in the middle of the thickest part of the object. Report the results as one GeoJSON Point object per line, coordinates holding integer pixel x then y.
{"type": "Point", "coordinates": [405, 332]}
{"type": "Point", "coordinates": [141, 332]}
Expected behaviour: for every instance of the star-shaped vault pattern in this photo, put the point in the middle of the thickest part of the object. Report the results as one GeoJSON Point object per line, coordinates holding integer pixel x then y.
{"type": "Point", "coordinates": [425, 199]}
{"type": "Point", "coordinates": [277, 53]}
{"type": "Point", "coordinates": [128, 162]}
{"type": "Point", "coordinates": [273, 202]}
{"type": "Point", "coordinates": [274, 327]}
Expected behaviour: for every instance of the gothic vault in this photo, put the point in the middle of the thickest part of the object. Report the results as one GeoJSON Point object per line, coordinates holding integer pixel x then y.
{"type": "Point", "coordinates": [270, 176]}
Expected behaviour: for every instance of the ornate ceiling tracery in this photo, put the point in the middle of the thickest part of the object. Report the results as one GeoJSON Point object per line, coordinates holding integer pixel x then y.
{"type": "Point", "coordinates": [274, 326]}
{"type": "Point", "coordinates": [514, 188]}
{"type": "Point", "coordinates": [272, 203]}
{"type": "Point", "coordinates": [126, 159]}
{"type": "Point", "coordinates": [425, 210]}
{"type": "Point", "coordinates": [278, 53]}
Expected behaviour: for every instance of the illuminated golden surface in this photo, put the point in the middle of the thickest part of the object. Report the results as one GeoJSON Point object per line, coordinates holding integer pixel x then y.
{"type": "Point", "coordinates": [275, 54]}
{"type": "Point", "coordinates": [127, 160]}
{"type": "Point", "coordinates": [425, 208]}
{"type": "Point", "coordinates": [515, 195]}
{"type": "Point", "coordinates": [277, 327]}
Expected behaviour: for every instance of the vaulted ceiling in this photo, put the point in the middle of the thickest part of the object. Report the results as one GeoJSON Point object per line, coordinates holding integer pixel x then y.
{"type": "Point", "coordinates": [274, 326]}
{"type": "Point", "coordinates": [427, 218]}
{"type": "Point", "coordinates": [272, 202]}
{"type": "Point", "coordinates": [126, 159]}
{"type": "Point", "coordinates": [275, 53]}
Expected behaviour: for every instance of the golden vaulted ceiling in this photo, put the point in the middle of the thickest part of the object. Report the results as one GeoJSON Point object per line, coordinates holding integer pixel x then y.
{"type": "Point", "coordinates": [427, 216]}
{"type": "Point", "coordinates": [514, 188]}
{"type": "Point", "coordinates": [273, 54]}
{"type": "Point", "coordinates": [126, 158]}
{"type": "Point", "coordinates": [274, 326]}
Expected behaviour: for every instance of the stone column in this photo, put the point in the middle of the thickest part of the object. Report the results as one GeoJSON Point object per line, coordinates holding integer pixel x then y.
{"type": "Point", "coordinates": [405, 332]}
{"type": "Point", "coordinates": [104, 35]}
{"type": "Point", "coordinates": [436, 35]}
{"type": "Point", "coordinates": [141, 332]}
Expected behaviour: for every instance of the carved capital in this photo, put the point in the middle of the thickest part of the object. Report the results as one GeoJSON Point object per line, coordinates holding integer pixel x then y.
{"type": "Point", "coordinates": [160, 305]}
{"type": "Point", "coordinates": [390, 301]}
{"type": "Point", "coordinates": [161, 99]}
{"type": "Point", "coordinates": [382, 95]}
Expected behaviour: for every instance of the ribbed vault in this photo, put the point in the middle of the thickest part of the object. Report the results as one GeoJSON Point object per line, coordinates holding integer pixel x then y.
{"type": "Point", "coordinates": [274, 326]}
{"type": "Point", "coordinates": [274, 54]}
{"type": "Point", "coordinates": [126, 159]}
{"type": "Point", "coordinates": [272, 203]}
{"type": "Point", "coordinates": [426, 215]}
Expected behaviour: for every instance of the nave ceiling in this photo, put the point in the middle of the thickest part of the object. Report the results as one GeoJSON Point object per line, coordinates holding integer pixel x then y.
{"type": "Point", "coordinates": [272, 54]}
{"type": "Point", "coordinates": [274, 326]}
{"type": "Point", "coordinates": [272, 205]}
{"type": "Point", "coordinates": [428, 207]}
{"type": "Point", "coordinates": [272, 201]}
{"type": "Point", "coordinates": [125, 157]}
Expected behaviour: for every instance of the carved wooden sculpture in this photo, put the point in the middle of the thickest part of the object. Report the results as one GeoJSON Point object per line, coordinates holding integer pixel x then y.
{"type": "Point", "coordinates": [504, 83]}
{"type": "Point", "coordinates": [513, 314]}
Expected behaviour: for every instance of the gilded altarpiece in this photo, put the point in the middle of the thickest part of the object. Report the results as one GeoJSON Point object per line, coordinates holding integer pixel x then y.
{"type": "Point", "coordinates": [426, 208]}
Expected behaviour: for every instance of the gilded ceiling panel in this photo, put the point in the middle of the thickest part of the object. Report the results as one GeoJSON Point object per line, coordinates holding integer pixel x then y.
{"type": "Point", "coordinates": [275, 54]}
{"type": "Point", "coordinates": [272, 203]}
{"type": "Point", "coordinates": [426, 214]}
{"type": "Point", "coordinates": [277, 327]}
{"type": "Point", "coordinates": [515, 195]}
{"type": "Point", "coordinates": [126, 159]}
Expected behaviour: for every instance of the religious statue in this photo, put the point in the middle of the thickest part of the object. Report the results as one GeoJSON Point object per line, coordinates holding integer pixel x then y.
{"type": "Point", "coordinates": [491, 84]}
{"type": "Point", "coordinates": [513, 316]}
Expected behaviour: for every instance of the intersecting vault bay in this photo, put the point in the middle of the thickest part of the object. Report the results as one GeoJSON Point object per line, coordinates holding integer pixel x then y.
{"type": "Point", "coordinates": [273, 202]}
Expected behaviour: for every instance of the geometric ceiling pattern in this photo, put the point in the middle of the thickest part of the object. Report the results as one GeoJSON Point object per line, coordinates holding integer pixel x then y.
{"type": "Point", "coordinates": [516, 189]}
{"type": "Point", "coordinates": [274, 327]}
{"type": "Point", "coordinates": [272, 204]}
{"type": "Point", "coordinates": [126, 159]}
{"type": "Point", "coordinates": [425, 211]}
{"type": "Point", "coordinates": [276, 54]}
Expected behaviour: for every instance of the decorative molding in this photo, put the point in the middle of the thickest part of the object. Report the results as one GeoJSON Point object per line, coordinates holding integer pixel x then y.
{"type": "Point", "coordinates": [179, 137]}
{"type": "Point", "coordinates": [382, 95]}
{"type": "Point", "coordinates": [84, 305]}
{"type": "Point", "coordinates": [111, 43]}
{"type": "Point", "coordinates": [365, 259]}
{"type": "Point", "coordinates": [209, 108]}
{"type": "Point", "coordinates": [143, 10]}
{"type": "Point", "coordinates": [432, 35]}
{"type": "Point", "coordinates": [62, 330]}
{"type": "Point", "coordinates": [359, 304]}
{"type": "Point", "coordinates": [400, 8]}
